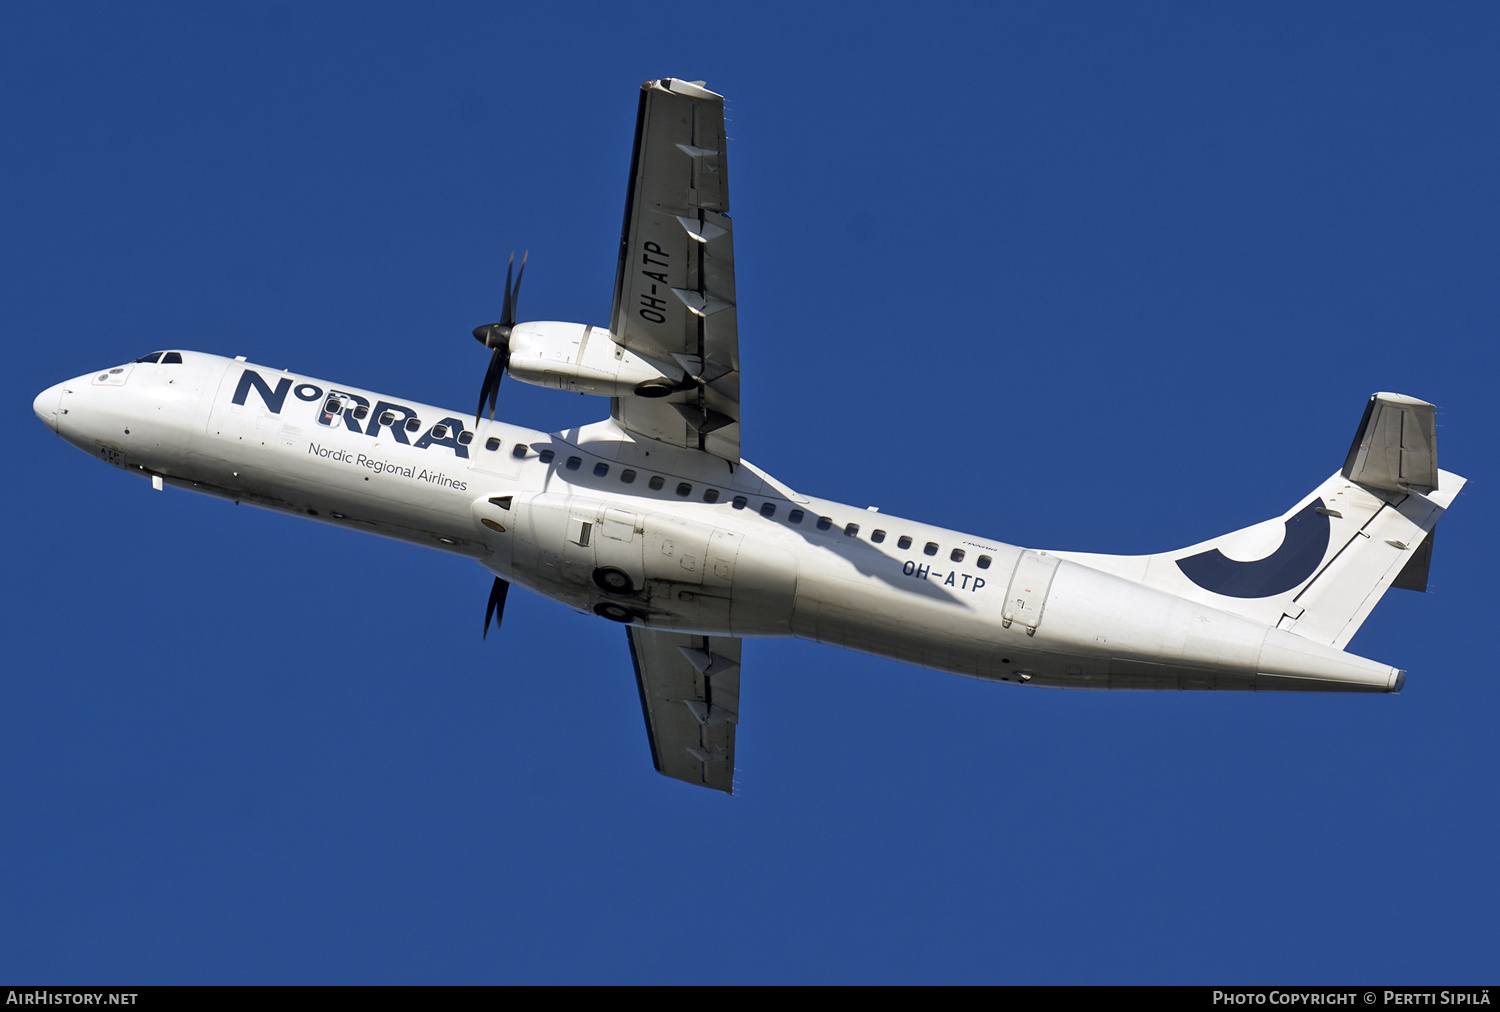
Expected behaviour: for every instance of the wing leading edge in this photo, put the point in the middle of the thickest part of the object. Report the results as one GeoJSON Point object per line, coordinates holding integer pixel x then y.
{"type": "Point", "coordinates": [674, 289]}
{"type": "Point", "coordinates": [690, 694]}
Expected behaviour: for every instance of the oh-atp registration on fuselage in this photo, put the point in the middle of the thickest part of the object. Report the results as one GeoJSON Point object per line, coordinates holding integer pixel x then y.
{"type": "Point", "coordinates": [650, 518]}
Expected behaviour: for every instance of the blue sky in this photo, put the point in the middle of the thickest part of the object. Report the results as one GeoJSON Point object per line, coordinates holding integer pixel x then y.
{"type": "Point", "coordinates": [1101, 277]}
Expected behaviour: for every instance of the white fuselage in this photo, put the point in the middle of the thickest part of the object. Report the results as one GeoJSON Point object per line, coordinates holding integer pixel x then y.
{"type": "Point", "coordinates": [637, 531]}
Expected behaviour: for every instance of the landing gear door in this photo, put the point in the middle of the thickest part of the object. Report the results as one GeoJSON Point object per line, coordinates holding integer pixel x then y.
{"type": "Point", "coordinates": [617, 548]}
{"type": "Point", "coordinates": [1029, 585]}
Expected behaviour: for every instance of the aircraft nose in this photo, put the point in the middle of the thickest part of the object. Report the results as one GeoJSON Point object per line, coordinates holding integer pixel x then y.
{"type": "Point", "coordinates": [48, 405]}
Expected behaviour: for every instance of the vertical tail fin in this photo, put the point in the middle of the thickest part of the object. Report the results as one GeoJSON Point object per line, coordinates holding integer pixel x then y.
{"type": "Point", "coordinates": [1319, 569]}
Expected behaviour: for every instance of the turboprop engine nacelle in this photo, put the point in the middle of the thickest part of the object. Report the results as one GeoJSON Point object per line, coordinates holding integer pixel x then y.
{"type": "Point", "coordinates": [573, 356]}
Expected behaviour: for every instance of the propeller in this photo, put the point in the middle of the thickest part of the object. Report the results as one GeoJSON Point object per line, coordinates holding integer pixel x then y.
{"type": "Point", "coordinates": [496, 608]}
{"type": "Point", "coordinates": [497, 337]}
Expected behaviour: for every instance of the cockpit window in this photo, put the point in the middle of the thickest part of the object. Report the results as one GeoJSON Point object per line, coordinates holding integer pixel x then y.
{"type": "Point", "coordinates": [172, 358]}
{"type": "Point", "coordinates": [155, 356]}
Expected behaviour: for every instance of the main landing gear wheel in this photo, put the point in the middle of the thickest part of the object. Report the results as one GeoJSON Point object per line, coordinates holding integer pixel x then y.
{"type": "Point", "coordinates": [613, 581]}
{"type": "Point", "coordinates": [614, 612]}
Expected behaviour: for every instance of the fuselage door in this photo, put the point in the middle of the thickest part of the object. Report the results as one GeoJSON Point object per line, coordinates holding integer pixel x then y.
{"type": "Point", "coordinates": [1029, 585]}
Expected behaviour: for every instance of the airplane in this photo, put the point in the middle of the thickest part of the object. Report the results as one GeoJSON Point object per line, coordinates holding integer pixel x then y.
{"type": "Point", "coordinates": [651, 518]}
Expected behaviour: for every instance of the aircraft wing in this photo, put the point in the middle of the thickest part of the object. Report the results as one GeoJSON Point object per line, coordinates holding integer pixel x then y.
{"type": "Point", "coordinates": [690, 693]}
{"type": "Point", "coordinates": [674, 290]}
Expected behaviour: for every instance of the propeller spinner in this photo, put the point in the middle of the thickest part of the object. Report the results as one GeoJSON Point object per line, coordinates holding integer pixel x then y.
{"type": "Point", "coordinates": [497, 337]}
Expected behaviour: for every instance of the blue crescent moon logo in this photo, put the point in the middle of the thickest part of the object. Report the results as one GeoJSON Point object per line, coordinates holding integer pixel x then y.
{"type": "Point", "coordinates": [1302, 549]}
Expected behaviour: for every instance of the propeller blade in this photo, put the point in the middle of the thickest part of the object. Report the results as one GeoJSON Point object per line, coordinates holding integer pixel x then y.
{"type": "Point", "coordinates": [496, 607]}
{"type": "Point", "coordinates": [496, 336]}
{"type": "Point", "coordinates": [491, 385]}
{"type": "Point", "coordinates": [506, 309]}
{"type": "Point", "coordinates": [495, 387]}
{"type": "Point", "coordinates": [513, 298]}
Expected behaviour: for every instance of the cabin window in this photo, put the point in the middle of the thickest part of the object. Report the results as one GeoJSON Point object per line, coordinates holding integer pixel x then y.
{"type": "Point", "coordinates": [710, 495]}
{"type": "Point", "coordinates": [546, 456]}
{"type": "Point", "coordinates": [930, 548]}
{"type": "Point", "coordinates": [957, 555]}
{"type": "Point", "coordinates": [877, 535]}
{"type": "Point", "coordinates": [364, 409]}
{"type": "Point", "coordinates": [627, 476]}
{"type": "Point", "coordinates": [519, 450]}
{"type": "Point", "coordinates": [332, 406]}
{"type": "Point", "coordinates": [440, 432]}
{"type": "Point", "coordinates": [601, 469]}
{"type": "Point", "coordinates": [903, 542]}
{"type": "Point", "coordinates": [574, 463]}
{"type": "Point", "coordinates": [739, 502]}
{"type": "Point", "coordinates": [387, 418]}
{"type": "Point", "coordinates": [824, 523]}
{"type": "Point", "coordinates": [984, 562]}
{"type": "Point", "coordinates": [684, 489]}
{"type": "Point", "coordinates": [656, 482]}
{"type": "Point", "coordinates": [412, 425]}
{"type": "Point", "coordinates": [851, 530]}
{"type": "Point", "coordinates": [464, 438]}
{"type": "Point", "coordinates": [768, 509]}
{"type": "Point", "coordinates": [795, 516]}
{"type": "Point", "coordinates": [492, 444]}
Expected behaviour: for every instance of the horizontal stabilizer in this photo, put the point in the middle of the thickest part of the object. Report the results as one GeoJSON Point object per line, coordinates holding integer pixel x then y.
{"type": "Point", "coordinates": [1395, 448]}
{"type": "Point", "coordinates": [1413, 575]}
